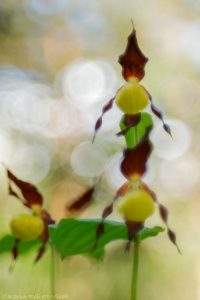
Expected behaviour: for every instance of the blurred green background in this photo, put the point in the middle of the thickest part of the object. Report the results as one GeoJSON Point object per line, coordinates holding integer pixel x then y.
{"type": "Point", "coordinates": [58, 67]}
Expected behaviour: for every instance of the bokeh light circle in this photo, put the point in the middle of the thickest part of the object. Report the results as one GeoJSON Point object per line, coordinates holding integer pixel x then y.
{"type": "Point", "coordinates": [171, 148]}
{"type": "Point", "coordinates": [112, 172]}
{"type": "Point", "coordinates": [5, 147]}
{"type": "Point", "coordinates": [181, 177]}
{"type": "Point", "coordinates": [86, 82]}
{"type": "Point", "coordinates": [46, 7]}
{"type": "Point", "coordinates": [88, 159]}
{"type": "Point", "coordinates": [31, 162]}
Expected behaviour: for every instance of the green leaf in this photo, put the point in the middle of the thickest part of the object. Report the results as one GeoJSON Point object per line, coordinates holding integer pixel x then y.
{"type": "Point", "coordinates": [134, 134]}
{"type": "Point", "coordinates": [72, 236]}
{"type": "Point", "coordinates": [149, 232]}
{"type": "Point", "coordinates": [8, 241]}
{"type": "Point", "coordinates": [25, 246]}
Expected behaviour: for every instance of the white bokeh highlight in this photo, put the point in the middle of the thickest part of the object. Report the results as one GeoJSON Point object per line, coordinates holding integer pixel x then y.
{"type": "Point", "coordinates": [89, 159]}
{"type": "Point", "coordinates": [30, 162]}
{"type": "Point", "coordinates": [64, 119]}
{"type": "Point", "coordinates": [112, 172]}
{"type": "Point", "coordinates": [180, 177]}
{"type": "Point", "coordinates": [86, 82]}
{"type": "Point", "coordinates": [171, 148]}
{"type": "Point", "coordinates": [5, 147]}
{"type": "Point", "coordinates": [46, 7]}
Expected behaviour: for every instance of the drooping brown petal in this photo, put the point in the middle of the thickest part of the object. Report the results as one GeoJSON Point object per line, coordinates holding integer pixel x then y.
{"type": "Point", "coordinates": [172, 236]}
{"type": "Point", "coordinates": [133, 60]}
{"type": "Point", "coordinates": [11, 192]}
{"type": "Point", "coordinates": [44, 237]}
{"type": "Point", "coordinates": [41, 252]}
{"type": "Point", "coordinates": [135, 159]}
{"type": "Point", "coordinates": [163, 214]}
{"type": "Point", "coordinates": [99, 232]}
{"type": "Point", "coordinates": [100, 228]}
{"type": "Point", "coordinates": [148, 190]}
{"type": "Point", "coordinates": [46, 217]}
{"type": "Point", "coordinates": [129, 121]}
{"type": "Point", "coordinates": [15, 249]}
{"type": "Point", "coordinates": [158, 114]}
{"type": "Point", "coordinates": [123, 189]}
{"type": "Point", "coordinates": [82, 201]}
{"type": "Point", "coordinates": [108, 210]}
{"type": "Point", "coordinates": [105, 108]}
{"type": "Point", "coordinates": [29, 191]}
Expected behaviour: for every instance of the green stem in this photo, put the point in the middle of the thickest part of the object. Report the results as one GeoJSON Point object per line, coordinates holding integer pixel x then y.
{"type": "Point", "coordinates": [135, 269]}
{"type": "Point", "coordinates": [52, 274]}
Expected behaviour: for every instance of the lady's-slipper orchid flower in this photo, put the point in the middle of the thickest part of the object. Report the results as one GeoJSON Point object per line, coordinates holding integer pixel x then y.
{"type": "Point", "coordinates": [35, 225]}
